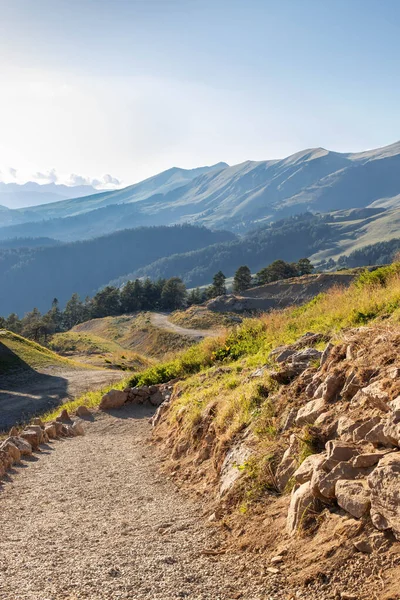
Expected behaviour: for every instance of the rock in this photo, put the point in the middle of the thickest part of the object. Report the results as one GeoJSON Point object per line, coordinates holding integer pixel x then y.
{"type": "Point", "coordinates": [289, 419]}
{"type": "Point", "coordinates": [230, 472]}
{"type": "Point", "coordinates": [50, 430]}
{"type": "Point", "coordinates": [5, 462]}
{"type": "Point", "coordinates": [351, 386]}
{"type": "Point", "coordinates": [330, 388]}
{"type": "Point", "coordinates": [369, 459]}
{"type": "Point", "coordinates": [309, 413]}
{"type": "Point", "coordinates": [377, 436]}
{"type": "Point", "coordinates": [363, 545]}
{"type": "Point", "coordinates": [353, 497]}
{"type": "Point", "coordinates": [276, 560]}
{"type": "Point", "coordinates": [323, 484]}
{"type": "Point", "coordinates": [38, 422]}
{"type": "Point", "coordinates": [361, 431]}
{"type": "Point", "coordinates": [83, 411]}
{"type": "Point", "coordinates": [288, 464]}
{"type": "Point", "coordinates": [156, 398]}
{"type": "Point", "coordinates": [282, 353]}
{"type": "Point", "coordinates": [70, 431]}
{"type": "Point", "coordinates": [13, 450]}
{"type": "Point", "coordinates": [32, 437]}
{"type": "Point", "coordinates": [380, 541]}
{"type": "Point", "coordinates": [59, 428]}
{"type": "Point", "coordinates": [159, 413]}
{"type": "Point", "coordinates": [113, 399]}
{"type": "Point", "coordinates": [307, 467]}
{"type": "Point", "coordinates": [64, 417]}
{"type": "Point", "coordinates": [23, 445]}
{"type": "Point", "coordinates": [13, 432]}
{"type": "Point", "coordinates": [346, 426]}
{"type": "Point", "coordinates": [326, 353]}
{"type": "Point", "coordinates": [305, 356]}
{"type": "Point", "coordinates": [301, 503]}
{"type": "Point", "coordinates": [375, 395]}
{"type": "Point", "coordinates": [39, 432]}
{"type": "Point", "coordinates": [313, 385]}
{"type": "Point", "coordinates": [338, 451]}
{"type": "Point", "coordinates": [391, 431]}
{"type": "Point", "coordinates": [384, 483]}
{"type": "Point", "coordinates": [78, 428]}
{"type": "Point", "coordinates": [272, 570]}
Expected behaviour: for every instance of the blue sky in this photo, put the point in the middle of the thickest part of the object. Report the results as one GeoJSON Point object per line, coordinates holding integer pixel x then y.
{"type": "Point", "coordinates": [130, 88]}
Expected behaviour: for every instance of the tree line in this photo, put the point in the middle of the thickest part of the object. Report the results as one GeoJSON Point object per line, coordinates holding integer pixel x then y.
{"type": "Point", "coordinates": [162, 294]}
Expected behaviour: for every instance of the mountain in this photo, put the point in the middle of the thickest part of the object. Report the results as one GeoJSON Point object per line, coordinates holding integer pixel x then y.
{"type": "Point", "coordinates": [34, 276]}
{"type": "Point", "coordinates": [14, 195]}
{"type": "Point", "coordinates": [319, 237]}
{"type": "Point", "coordinates": [230, 197]}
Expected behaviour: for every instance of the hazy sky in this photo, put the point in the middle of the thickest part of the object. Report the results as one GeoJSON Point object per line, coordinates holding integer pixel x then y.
{"type": "Point", "coordinates": [132, 87]}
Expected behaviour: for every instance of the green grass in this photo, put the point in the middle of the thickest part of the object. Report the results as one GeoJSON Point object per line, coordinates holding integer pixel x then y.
{"type": "Point", "coordinates": [89, 399]}
{"type": "Point", "coordinates": [18, 353]}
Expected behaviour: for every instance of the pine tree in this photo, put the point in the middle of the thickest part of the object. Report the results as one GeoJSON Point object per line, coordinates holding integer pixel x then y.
{"type": "Point", "coordinates": [173, 294]}
{"type": "Point", "coordinates": [218, 284]}
{"type": "Point", "coordinates": [242, 279]}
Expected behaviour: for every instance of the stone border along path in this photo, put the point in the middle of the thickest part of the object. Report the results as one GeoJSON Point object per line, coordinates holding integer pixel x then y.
{"type": "Point", "coordinates": [92, 517]}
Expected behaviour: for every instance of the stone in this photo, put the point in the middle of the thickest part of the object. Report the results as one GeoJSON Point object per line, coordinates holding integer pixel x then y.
{"type": "Point", "coordinates": [380, 541]}
{"type": "Point", "coordinates": [353, 497]}
{"type": "Point", "coordinates": [59, 428]}
{"type": "Point", "coordinates": [384, 483]}
{"type": "Point", "coordinates": [307, 468]}
{"type": "Point", "coordinates": [391, 431]}
{"type": "Point", "coordinates": [377, 436]}
{"type": "Point", "coordinates": [230, 471]}
{"type": "Point", "coordinates": [302, 502]}
{"type": "Point", "coordinates": [38, 430]}
{"type": "Point", "coordinates": [330, 388]}
{"type": "Point", "coordinates": [310, 412]}
{"type": "Point", "coordinates": [361, 431]}
{"type": "Point", "coordinates": [38, 422]}
{"type": "Point", "coordinates": [326, 353]}
{"type": "Point", "coordinates": [64, 417]}
{"type": "Point", "coordinates": [32, 437]}
{"type": "Point", "coordinates": [13, 432]}
{"type": "Point", "coordinates": [78, 428]}
{"type": "Point", "coordinates": [363, 545]}
{"type": "Point", "coordinates": [113, 399]}
{"type": "Point", "coordinates": [351, 386]}
{"type": "Point", "coordinates": [323, 484]}
{"type": "Point", "coordinates": [83, 411]}
{"type": "Point", "coordinates": [289, 419]}
{"type": "Point", "coordinates": [276, 560]}
{"type": "Point", "coordinates": [156, 398]}
{"type": "Point", "coordinates": [346, 426]}
{"type": "Point", "coordinates": [338, 451]}
{"type": "Point", "coordinates": [282, 353]}
{"type": "Point", "coordinates": [375, 395]}
{"type": "Point", "coordinates": [12, 450]}
{"type": "Point", "coordinates": [288, 464]}
{"type": "Point", "coordinates": [369, 459]}
{"type": "Point", "coordinates": [50, 430]}
{"type": "Point", "coordinates": [313, 385]}
{"type": "Point", "coordinates": [23, 445]}
{"type": "Point", "coordinates": [5, 462]}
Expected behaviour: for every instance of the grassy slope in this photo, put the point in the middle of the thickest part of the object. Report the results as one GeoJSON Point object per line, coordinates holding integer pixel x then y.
{"type": "Point", "coordinates": [136, 333]}
{"type": "Point", "coordinates": [18, 353]}
{"type": "Point", "coordinates": [199, 317]}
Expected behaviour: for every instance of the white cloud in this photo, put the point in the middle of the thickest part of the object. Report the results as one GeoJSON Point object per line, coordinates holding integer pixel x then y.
{"type": "Point", "coordinates": [48, 177]}
{"type": "Point", "coordinates": [13, 172]}
{"type": "Point", "coordinates": [109, 179]}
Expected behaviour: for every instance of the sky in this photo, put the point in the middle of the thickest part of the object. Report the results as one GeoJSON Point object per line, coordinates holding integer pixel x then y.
{"type": "Point", "coordinates": [110, 92]}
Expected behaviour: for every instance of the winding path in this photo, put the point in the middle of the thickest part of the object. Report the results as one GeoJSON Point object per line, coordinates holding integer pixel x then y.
{"type": "Point", "coordinates": [162, 321]}
{"type": "Point", "coordinates": [92, 517]}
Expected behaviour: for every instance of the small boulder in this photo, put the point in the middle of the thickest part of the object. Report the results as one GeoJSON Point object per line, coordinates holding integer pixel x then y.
{"type": "Point", "coordinates": [23, 445]}
{"type": "Point", "coordinates": [12, 450]}
{"type": "Point", "coordinates": [361, 431]}
{"type": "Point", "coordinates": [338, 451]}
{"type": "Point", "coordinates": [375, 396]}
{"type": "Point", "coordinates": [83, 411]}
{"type": "Point", "coordinates": [326, 353]}
{"type": "Point", "coordinates": [78, 428]}
{"type": "Point", "coordinates": [307, 468]}
{"type": "Point", "coordinates": [323, 484]}
{"type": "Point", "coordinates": [50, 430]}
{"type": "Point", "coordinates": [310, 411]}
{"type": "Point", "coordinates": [13, 432]}
{"type": "Point", "coordinates": [64, 417]}
{"type": "Point", "coordinates": [38, 422]}
{"type": "Point", "coordinates": [32, 437]}
{"type": "Point", "coordinates": [353, 497]}
{"type": "Point", "coordinates": [113, 399]}
{"type": "Point", "coordinates": [301, 503]}
{"type": "Point", "coordinates": [384, 483]}
{"type": "Point", "coordinates": [369, 459]}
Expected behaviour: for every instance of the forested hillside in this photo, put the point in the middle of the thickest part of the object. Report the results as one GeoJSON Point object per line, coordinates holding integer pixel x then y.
{"type": "Point", "coordinates": [34, 276]}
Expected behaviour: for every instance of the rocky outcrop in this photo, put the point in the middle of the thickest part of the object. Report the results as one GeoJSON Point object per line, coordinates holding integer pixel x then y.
{"type": "Point", "coordinates": [155, 395]}
{"type": "Point", "coordinates": [113, 399]}
{"type": "Point", "coordinates": [384, 484]}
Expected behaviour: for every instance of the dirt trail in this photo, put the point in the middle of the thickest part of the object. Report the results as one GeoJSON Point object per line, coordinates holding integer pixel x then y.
{"type": "Point", "coordinates": [92, 517]}
{"type": "Point", "coordinates": [30, 392]}
{"type": "Point", "coordinates": [161, 320]}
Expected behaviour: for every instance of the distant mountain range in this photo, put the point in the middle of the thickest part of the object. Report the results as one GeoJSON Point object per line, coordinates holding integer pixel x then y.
{"type": "Point", "coordinates": [223, 197]}
{"type": "Point", "coordinates": [15, 195]}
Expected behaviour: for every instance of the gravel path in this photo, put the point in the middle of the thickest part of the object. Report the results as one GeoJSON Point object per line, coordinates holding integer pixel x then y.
{"type": "Point", "coordinates": [161, 320]}
{"type": "Point", "coordinates": [26, 394]}
{"type": "Point", "coordinates": [92, 517]}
